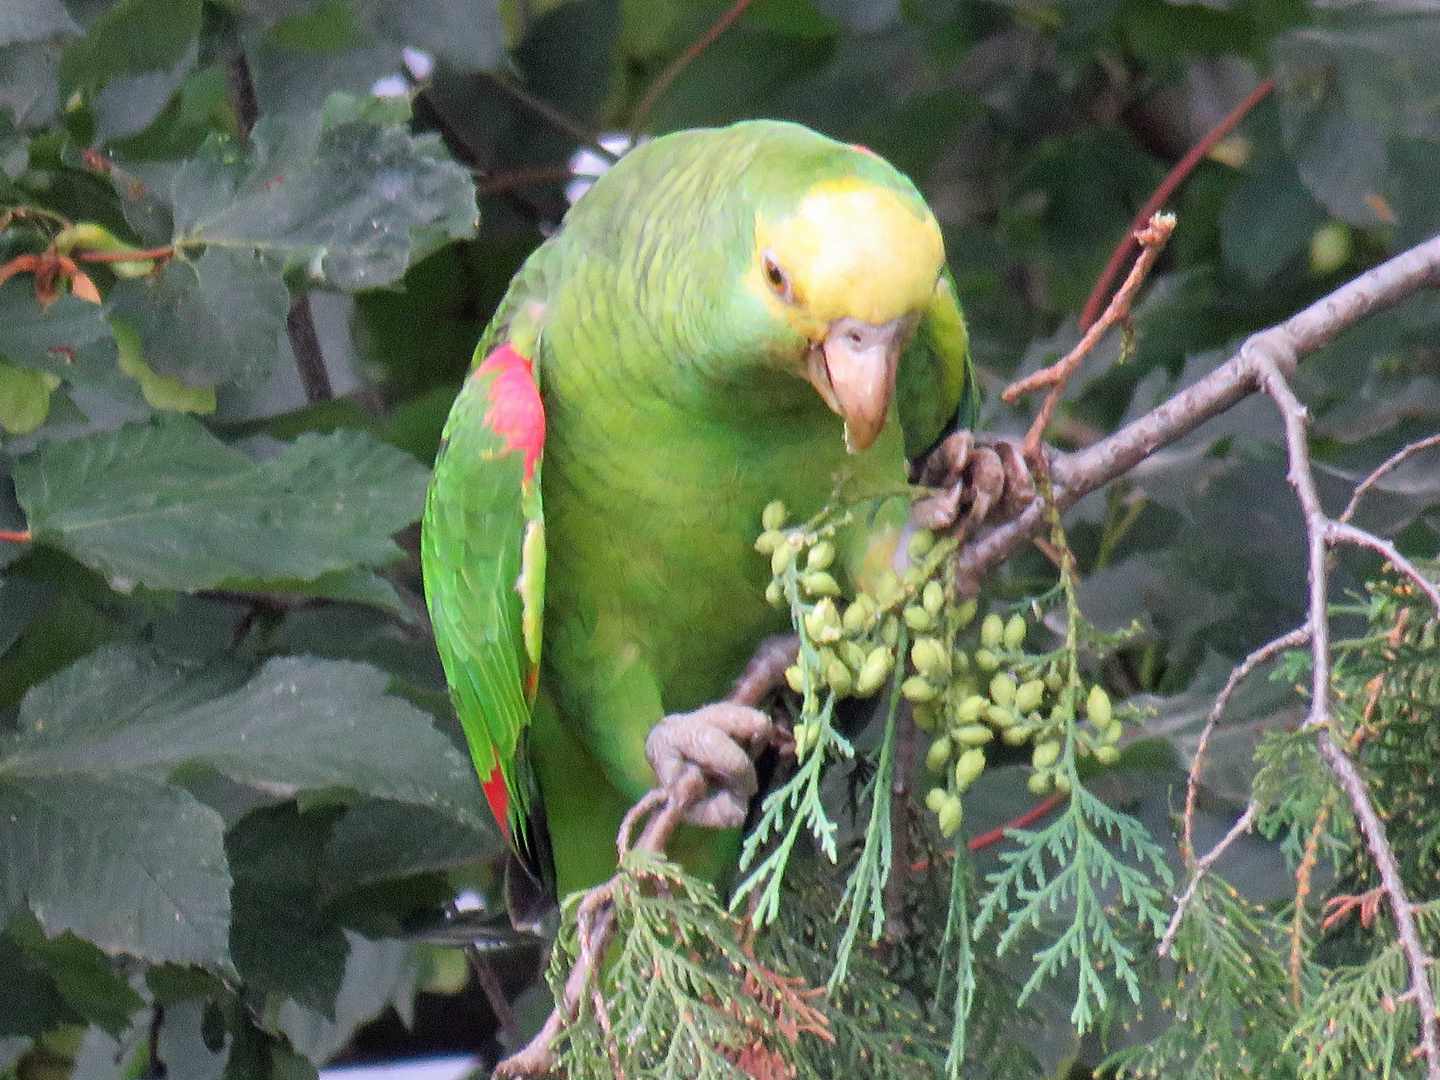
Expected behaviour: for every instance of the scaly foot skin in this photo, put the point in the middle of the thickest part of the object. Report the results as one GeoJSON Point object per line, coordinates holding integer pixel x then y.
{"type": "Point", "coordinates": [719, 740]}
{"type": "Point", "coordinates": [979, 479]}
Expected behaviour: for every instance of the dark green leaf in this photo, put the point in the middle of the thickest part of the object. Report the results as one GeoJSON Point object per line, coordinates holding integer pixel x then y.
{"type": "Point", "coordinates": [216, 319]}
{"type": "Point", "coordinates": [32, 1003]}
{"type": "Point", "coordinates": [167, 505]}
{"type": "Point", "coordinates": [377, 974]}
{"type": "Point", "coordinates": [71, 338]}
{"type": "Point", "coordinates": [467, 33]}
{"type": "Point", "coordinates": [134, 37]}
{"type": "Point", "coordinates": [384, 839]}
{"type": "Point", "coordinates": [340, 203]}
{"type": "Point", "coordinates": [85, 976]}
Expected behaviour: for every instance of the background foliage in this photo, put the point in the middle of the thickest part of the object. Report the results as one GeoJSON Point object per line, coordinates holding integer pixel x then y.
{"type": "Point", "coordinates": [232, 797]}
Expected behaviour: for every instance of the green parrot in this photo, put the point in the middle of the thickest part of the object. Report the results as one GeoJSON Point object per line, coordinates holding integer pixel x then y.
{"type": "Point", "coordinates": [728, 317]}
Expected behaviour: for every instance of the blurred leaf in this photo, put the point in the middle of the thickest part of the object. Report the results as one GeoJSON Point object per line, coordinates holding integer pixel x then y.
{"type": "Point", "coordinates": [168, 505]}
{"type": "Point", "coordinates": [382, 839]}
{"type": "Point", "coordinates": [28, 81]}
{"type": "Point", "coordinates": [466, 33]}
{"type": "Point", "coordinates": [130, 103]}
{"type": "Point", "coordinates": [132, 38]}
{"type": "Point", "coordinates": [377, 974]}
{"type": "Point", "coordinates": [71, 338]}
{"type": "Point", "coordinates": [24, 398]}
{"type": "Point", "coordinates": [32, 1003]}
{"type": "Point", "coordinates": [35, 20]}
{"type": "Point", "coordinates": [161, 391]}
{"type": "Point", "coordinates": [340, 203]}
{"type": "Point", "coordinates": [216, 319]}
{"type": "Point", "coordinates": [85, 977]}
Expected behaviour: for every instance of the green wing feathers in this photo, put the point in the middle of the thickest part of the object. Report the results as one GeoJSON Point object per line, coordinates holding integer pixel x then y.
{"type": "Point", "coordinates": [483, 550]}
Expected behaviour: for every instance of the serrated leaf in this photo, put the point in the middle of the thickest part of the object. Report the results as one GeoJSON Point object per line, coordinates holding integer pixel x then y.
{"type": "Point", "coordinates": [35, 20]}
{"type": "Point", "coordinates": [131, 864]}
{"type": "Point", "coordinates": [299, 725]}
{"type": "Point", "coordinates": [168, 505]}
{"type": "Point", "coordinates": [161, 391]}
{"type": "Point", "coordinates": [84, 976]}
{"type": "Point", "coordinates": [70, 338]}
{"type": "Point", "coordinates": [340, 203]}
{"type": "Point", "coordinates": [216, 319]}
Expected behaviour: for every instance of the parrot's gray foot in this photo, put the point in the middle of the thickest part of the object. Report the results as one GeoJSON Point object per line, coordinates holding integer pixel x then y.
{"type": "Point", "coordinates": [719, 740]}
{"type": "Point", "coordinates": [979, 479]}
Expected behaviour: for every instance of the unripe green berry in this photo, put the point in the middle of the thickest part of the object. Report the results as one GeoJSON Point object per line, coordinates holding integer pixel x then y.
{"type": "Point", "coordinates": [1062, 784]}
{"type": "Point", "coordinates": [986, 660]}
{"type": "Point", "coordinates": [968, 767]}
{"type": "Point", "coordinates": [873, 672]}
{"type": "Point", "coordinates": [1039, 783]}
{"type": "Point", "coordinates": [929, 656]}
{"type": "Point", "coordinates": [887, 588]}
{"type": "Point", "coordinates": [1000, 716]}
{"type": "Point", "coordinates": [912, 578]}
{"type": "Point", "coordinates": [852, 652]}
{"type": "Point", "coordinates": [782, 557]}
{"type": "Point", "coordinates": [933, 598]}
{"type": "Point", "coordinates": [857, 615]}
{"type": "Point", "coordinates": [935, 798]}
{"type": "Point", "coordinates": [1029, 695]}
{"type": "Point", "coordinates": [775, 594]}
{"type": "Point", "coordinates": [773, 516]}
{"type": "Point", "coordinates": [1017, 734]}
{"type": "Point", "coordinates": [839, 677]}
{"type": "Point", "coordinates": [992, 631]}
{"type": "Point", "coordinates": [820, 556]}
{"type": "Point", "coordinates": [1002, 689]}
{"type": "Point", "coordinates": [822, 622]}
{"type": "Point", "coordinates": [951, 813]}
{"type": "Point", "coordinates": [916, 688]}
{"type": "Point", "coordinates": [1107, 755]}
{"type": "Point", "coordinates": [971, 708]}
{"type": "Point", "coordinates": [795, 677]}
{"type": "Point", "coordinates": [1014, 635]}
{"type": "Point", "coordinates": [965, 613]}
{"type": "Point", "coordinates": [972, 734]}
{"type": "Point", "coordinates": [920, 544]}
{"type": "Point", "coordinates": [1097, 706]}
{"type": "Point", "coordinates": [768, 541]}
{"type": "Point", "coordinates": [960, 660]}
{"type": "Point", "coordinates": [819, 583]}
{"type": "Point", "coordinates": [1054, 680]}
{"type": "Point", "coordinates": [938, 756]}
{"type": "Point", "coordinates": [1045, 754]}
{"type": "Point", "coordinates": [926, 716]}
{"type": "Point", "coordinates": [918, 619]}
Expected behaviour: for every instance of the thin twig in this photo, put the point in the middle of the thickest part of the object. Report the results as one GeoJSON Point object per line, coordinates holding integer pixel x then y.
{"type": "Point", "coordinates": [305, 343]}
{"type": "Point", "coordinates": [541, 108]}
{"type": "Point", "coordinates": [1197, 764]}
{"type": "Point", "coordinates": [684, 60]}
{"type": "Point", "coordinates": [15, 536]}
{"type": "Point", "coordinates": [241, 88]}
{"type": "Point", "coordinates": [1338, 531]}
{"type": "Point", "coordinates": [1242, 825]}
{"type": "Point", "coordinates": [489, 982]}
{"type": "Point", "coordinates": [1183, 168]}
{"type": "Point", "coordinates": [1384, 467]}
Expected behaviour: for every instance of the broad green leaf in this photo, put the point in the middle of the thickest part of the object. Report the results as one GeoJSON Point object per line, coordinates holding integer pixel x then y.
{"type": "Point", "coordinates": [129, 863]}
{"type": "Point", "coordinates": [377, 974]}
{"type": "Point", "coordinates": [70, 338]}
{"type": "Point", "coordinates": [132, 102]}
{"type": "Point", "coordinates": [85, 977]}
{"type": "Point", "coordinates": [299, 725]}
{"type": "Point", "coordinates": [24, 398]}
{"type": "Point", "coordinates": [35, 20]}
{"type": "Point", "coordinates": [381, 839]}
{"type": "Point", "coordinates": [215, 319]}
{"type": "Point", "coordinates": [340, 203]}
{"type": "Point", "coordinates": [32, 1003]}
{"type": "Point", "coordinates": [134, 37]}
{"type": "Point", "coordinates": [168, 505]}
{"type": "Point", "coordinates": [161, 391]}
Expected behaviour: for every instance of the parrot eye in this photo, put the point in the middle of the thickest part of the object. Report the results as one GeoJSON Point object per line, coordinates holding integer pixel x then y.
{"type": "Point", "coordinates": [779, 280]}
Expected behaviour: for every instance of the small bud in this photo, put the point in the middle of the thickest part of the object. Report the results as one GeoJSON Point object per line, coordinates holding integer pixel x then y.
{"type": "Point", "coordinates": [873, 672]}
{"type": "Point", "coordinates": [935, 798]}
{"type": "Point", "coordinates": [972, 735]}
{"type": "Point", "coordinates": [1097, 707]}
{"type": "Point", "coordinates": [822, 622]}
{"type": "Point", "coordinates": [795, 677]}
{"type": "Point", "coordinates": [986, 660]}
{"type": "Point", "coordinates": [839, 677]}
{"type": "Point", "coordinates": [992, 631]}
{"type": "Point", "coordinates": [1029, 695]}
{"type": "Point", "coordinates": [890, 631]}
{"type": "Point", "coordinates": [820, 556]}
{"type": "Point", "coordinates": [969, 766]}
{"type": "Point", "coordinates": [773, 516]}
{"type": "Point", "coordinates": [1045, 754]}
{"type": "Point", "coordinates": [965, 613]}
{"type": "Point", "coordinates": [960, 660]}
{"type": "Point", "coordinates": [857, 615]}
{"type": "Point", "coordinates": [1114, 732]}
{"type": "Point", "coordinates": [801, 734]}
{"type": "Point", "coordinates": [916, 688]}
{"type": "Point", "coordinates": [1054, 680]}
{"type": "Point", "coordinates": [918, 619]}
{"type": "Point", "coordinates": [971, 708]}
{"type": "Point", "coordinates": [951, 813]}
{"type": "Point", "coordinates": [1017, 734]}
{"type": "Point", "coordinates": [1014, 635]}
{"type": "Point", "coordinates": [1000, 716]}
{"type": "Point", "coordinates": [852, 652]}
{"type": "Point", "coordinates": [1107, 755]}
{"type": "Point", "coordinates": [782, 557]}
{"type": "Point", "coordinates": [912, 578]}
{"type": "Point", "coordinates": [938, 756]}
{"type": "Point", "coordinates": [929, 656]}
{"type": "Point", "coordinates": [775, 594]}
{"type": "Point", "coordinates": [933, 598]}
{"type": "Point", "coordinates": [819, 583]}
{"type": "Point", "coordinates": [1002, 689]}
{"type": "Point", "coordinates": [920, 544]}
{"type": "Point", "coordinates": [768, 541]}
{"type": "Point", "coordinates": [926, 716]}
{"type": "Point", "coordinates": [1039, 783]}
{"type": "Point", "coordinates": [887, 588]}
{"type": "Point", "coordinates": [1062, 784]}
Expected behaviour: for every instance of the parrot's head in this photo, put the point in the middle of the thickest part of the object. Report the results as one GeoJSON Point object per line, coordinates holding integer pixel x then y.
{"type": "Point", "coordinates": [844, 267]}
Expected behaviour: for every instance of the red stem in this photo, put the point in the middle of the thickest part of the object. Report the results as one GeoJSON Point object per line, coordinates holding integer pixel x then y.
{"type": "Point", "coordinates": [166, 252]}
{"type": "Point", "coordinates": [16, 536]}
{"type": "Point", "coordinates": [670, 74]}
{"type": "Point", "coordinates": [1034, 814]}
{"type": "Point", "coordinates": [1183, 168]}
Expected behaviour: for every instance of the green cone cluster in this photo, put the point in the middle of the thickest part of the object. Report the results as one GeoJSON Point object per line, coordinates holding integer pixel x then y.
{"type": "Point", "coordinates": [966, 690]}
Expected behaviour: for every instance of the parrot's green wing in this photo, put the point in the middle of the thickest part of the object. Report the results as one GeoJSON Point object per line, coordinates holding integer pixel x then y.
{"type": "Point", "coordinates": [483, 550]}
{"type": "Point", "coordinates": [935, 391]}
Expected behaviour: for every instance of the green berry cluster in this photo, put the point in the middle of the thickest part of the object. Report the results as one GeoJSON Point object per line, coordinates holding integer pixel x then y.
{"type": "Point", "coordinates": [965, 697]}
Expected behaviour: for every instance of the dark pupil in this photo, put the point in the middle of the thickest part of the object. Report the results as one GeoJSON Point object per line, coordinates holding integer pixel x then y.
{"type": "Point", "coordinates": [776, 277]}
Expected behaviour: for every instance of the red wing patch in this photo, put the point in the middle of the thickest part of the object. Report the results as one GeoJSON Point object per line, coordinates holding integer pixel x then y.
{"type": "Point", "coordinates": [498, 796]}
{"type": "Point", "coordinates": [516, 413]}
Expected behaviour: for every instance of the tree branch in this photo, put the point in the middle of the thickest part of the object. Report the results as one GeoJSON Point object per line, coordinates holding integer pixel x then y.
{"type": "Point", "coordinates": [684, 60]}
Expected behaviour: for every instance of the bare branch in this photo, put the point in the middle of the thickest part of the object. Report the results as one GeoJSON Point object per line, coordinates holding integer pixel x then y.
{"type": "Point", "coordinates": [1182, 902]}
{"type": "Point", "coordinates": [1380, 470]}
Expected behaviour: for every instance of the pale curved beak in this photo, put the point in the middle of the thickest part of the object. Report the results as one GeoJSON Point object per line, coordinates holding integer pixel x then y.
{"type": "Point", "coordinates": [854, 371]}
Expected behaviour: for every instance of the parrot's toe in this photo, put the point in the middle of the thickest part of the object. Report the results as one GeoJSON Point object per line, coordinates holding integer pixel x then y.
{"type": "Point", "coordinates": [979, 479]}
{"type": "Point", "coordinates": [719, 740]}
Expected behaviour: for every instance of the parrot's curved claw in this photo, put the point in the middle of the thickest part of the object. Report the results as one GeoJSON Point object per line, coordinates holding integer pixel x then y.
{"type": "Point", "coordinates": [980, 479]}
{"type": "Point", "coordinates": [718, 739]}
